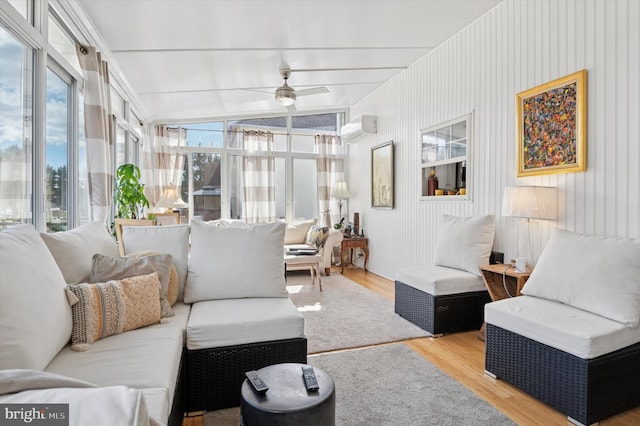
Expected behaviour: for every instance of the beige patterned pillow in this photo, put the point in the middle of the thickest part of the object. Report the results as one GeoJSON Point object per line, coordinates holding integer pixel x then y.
{"type": "Point", "coordinates": [104, 309]}
{"type": "Point", "coordinates": [316, 236]}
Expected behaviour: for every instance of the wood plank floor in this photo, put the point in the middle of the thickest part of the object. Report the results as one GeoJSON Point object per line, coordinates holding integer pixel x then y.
{"type": "Point", "coordinates": [461, 356]}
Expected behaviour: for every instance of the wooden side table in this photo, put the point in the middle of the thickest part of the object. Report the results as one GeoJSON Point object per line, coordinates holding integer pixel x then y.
{"type": "Point", "coordinates": [350, 244]}
{"type": "Point", "coordinates": [502, 282]}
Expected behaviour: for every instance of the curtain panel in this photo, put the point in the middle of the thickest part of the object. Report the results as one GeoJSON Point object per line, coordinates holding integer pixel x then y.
{"type": "Point", "coordinates": [99, 140]}
{"type": "Point", "coordinates": [258, 170]}
{"type": "Point", "coordinates": [330, 167]}
{"type": "Point", "coordinates": [163, 161]}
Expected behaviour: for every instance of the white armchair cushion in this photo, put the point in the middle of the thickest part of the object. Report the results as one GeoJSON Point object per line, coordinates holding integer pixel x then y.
{"type": "Point", "coordinates": [168, 239]}
{"type": "Point", "coordinates": [296, 232]}
{"type": "Point", "coordinates": [465, 242]}
{"type": "Point", "coordinates": [73, 250]}
{"type": "Point", "coordinates": [600, 275]}
{"type": "Point", "coordinates": [35, 318]}
{"type": "Point", "coordinates": [235, 262]}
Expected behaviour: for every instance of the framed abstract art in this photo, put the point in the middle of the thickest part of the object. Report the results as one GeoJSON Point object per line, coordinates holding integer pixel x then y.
{"type": "Point", "coordinates": [552, 127]}
{"type": "Point", "coordinates": [382, 176]}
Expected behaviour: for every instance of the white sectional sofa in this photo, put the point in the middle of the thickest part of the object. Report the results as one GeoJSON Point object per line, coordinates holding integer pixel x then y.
{"type": "Point", "coordinates": [223, 319]}
{"type": "Point", "coordinates": [573, 339]}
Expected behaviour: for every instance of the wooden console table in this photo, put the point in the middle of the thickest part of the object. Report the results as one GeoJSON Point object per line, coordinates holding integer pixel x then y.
{"type": "Point", "coordinates": [502, 282]}
{"type": "Point", "coordinates": [350, 244]}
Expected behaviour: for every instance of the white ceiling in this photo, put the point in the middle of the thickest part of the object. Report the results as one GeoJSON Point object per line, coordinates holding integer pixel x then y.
{"type": "Point", "coordinates": [195, 59]}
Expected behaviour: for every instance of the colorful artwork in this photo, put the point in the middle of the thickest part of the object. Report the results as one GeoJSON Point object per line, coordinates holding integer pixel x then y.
{"type": "Point", "coordinates": [551, 127]}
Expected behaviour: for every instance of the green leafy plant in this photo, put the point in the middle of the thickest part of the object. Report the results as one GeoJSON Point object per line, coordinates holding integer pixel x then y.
{"type": "Point", "coordinates": [129, 195]}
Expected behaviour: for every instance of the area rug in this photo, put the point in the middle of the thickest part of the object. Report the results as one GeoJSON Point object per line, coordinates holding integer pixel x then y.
{"type": "Point", "coordinates": [391, 385]}
{"type": "Point", "coordinates": [346, 315]}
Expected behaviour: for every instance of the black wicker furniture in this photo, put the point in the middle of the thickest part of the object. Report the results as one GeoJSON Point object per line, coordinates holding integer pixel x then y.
{"type": "Point", "coordinates": [214, 376]}
{"type": "Point", "coordinates": [586, 390]}
{"type": "Point", "coordinates": [438, 315]}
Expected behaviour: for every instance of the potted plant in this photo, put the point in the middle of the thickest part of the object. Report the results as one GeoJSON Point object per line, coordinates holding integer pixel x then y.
{"type": "Point", "coordinates": [129, 195]}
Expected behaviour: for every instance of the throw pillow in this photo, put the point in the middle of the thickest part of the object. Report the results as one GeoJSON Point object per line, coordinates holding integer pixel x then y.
{"type": "Point", "coordinates": [465, 242]}
{"type": "Point", "coordinates": [235, 262]}
{"type": "Point", "coordinates": [172, 291]}
{"type": "Point", "coordinates": [104, 309]}
{"type": "Point", "coordinates": [106, 268]}
{"type": "Point", "coordinates": [35, 318]}
{"type": "Point", "coordinates": [600, 275]}
{"type": "Point", "coordinates": [296, 232]}
{"type": "Point", "coordinates": [74, 249]}
{"type": "Point", "coordinates": [170, 239]}
{"type": "Point", "coordinates": [316, 236]}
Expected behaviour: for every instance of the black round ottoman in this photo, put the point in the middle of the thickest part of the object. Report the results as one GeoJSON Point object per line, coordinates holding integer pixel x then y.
{"type": "Point", "coordinates": [287, 401]}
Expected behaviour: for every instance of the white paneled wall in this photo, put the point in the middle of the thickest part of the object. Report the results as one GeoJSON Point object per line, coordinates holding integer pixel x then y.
{"type": "Point", "coordinates": [517, 45]}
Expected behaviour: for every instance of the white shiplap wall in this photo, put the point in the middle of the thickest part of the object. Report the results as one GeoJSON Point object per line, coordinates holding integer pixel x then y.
{"type": "Point", "coordinates": [517, 45]}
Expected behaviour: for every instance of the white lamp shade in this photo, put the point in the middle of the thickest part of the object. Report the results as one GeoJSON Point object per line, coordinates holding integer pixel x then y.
{"type": "Point", "coordinates": [171, 198]}
{"type": "Point", "coordinates": [340, 190]}
{"type": "Point", "coordinates": [532, 202]}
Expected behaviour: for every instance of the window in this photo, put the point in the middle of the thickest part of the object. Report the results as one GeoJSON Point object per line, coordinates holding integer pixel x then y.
{"type": "Point", "coordinates": [16, 144]}
{"type": "Point", "coordinates": [57, 152]}
{"type": "Point", "coordinates": [206, 169]}
{"type": "Point", "coordinates": [444, 155]}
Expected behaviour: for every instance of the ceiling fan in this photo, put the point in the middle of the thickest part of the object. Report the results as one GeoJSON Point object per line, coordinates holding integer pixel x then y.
{"type": "Point", "coordinates": [286, 95]}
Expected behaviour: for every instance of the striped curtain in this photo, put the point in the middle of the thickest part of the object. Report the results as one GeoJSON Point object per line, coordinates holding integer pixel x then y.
{"type": "Point", "coordinates": [330, 168]}
{"type": "Point", "coordinates": [258, 169]}
{"type": "Point", "coordinates": [162, 161]}
{"type": "Point", "coordinates": [97, 124]}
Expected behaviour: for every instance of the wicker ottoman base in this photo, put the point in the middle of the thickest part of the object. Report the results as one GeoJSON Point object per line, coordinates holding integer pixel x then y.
{"type": "Point", "coordinates": [441, 314]}
{"type": "Point", "coordinates": [586, 390]}
{"type": "Point", "coordinates": [214, 376]}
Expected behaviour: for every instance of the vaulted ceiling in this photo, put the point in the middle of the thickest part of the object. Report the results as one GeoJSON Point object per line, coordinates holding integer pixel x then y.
{"type": "Point", "coordinates": [194, 59]}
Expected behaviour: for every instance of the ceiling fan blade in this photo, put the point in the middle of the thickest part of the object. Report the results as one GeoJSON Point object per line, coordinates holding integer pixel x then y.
{"type": "Point", "coordinates": [312, 91]}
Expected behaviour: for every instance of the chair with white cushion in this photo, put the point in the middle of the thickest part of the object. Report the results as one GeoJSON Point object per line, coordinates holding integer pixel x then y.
{"type": "Point", "coordinates": [449, 296]}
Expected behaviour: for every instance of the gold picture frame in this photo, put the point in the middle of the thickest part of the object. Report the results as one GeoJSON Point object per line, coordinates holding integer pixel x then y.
{"type": "Point", "coordinates": [552, 127]}
{"type": "Point", "coordinates": [171, 218]}
{"type": "Point", "coordinates": [382, 176]}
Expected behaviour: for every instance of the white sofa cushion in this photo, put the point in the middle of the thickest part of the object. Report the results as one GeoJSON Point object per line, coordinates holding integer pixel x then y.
{"type": "Point", "coordinates": [465, 242]}
{"type": "Point", "coordinates": [234, 262]}
{"type": "Point", "coordinates": [580, 333]}
{"type": "Point", "coordinates": [597, 274]}
{"type": "Point", "coordinates": [74, 249]}
{"type": "Point", "coordinates": [169, 239]}
{"type": "Point", "coordinates": [219, 323]}
{"type": "Point", "coordinates": [440, 280]}
{"type": "Point", "coordinates": [296, 232]}
{"type": "Point", "coordinates": [35, 318]}
{"type": "Point", "coordinates": [148, 357]}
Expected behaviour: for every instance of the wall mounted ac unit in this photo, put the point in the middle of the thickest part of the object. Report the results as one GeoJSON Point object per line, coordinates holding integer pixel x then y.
{"type": "Point", "coordinates": [367, 124]}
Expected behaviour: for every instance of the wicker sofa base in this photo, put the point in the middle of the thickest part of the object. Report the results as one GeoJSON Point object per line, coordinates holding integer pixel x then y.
{"type": "Point", "coordinates": [586, 390]}
{"type": "Point", "coordinates": [441, 314]}
{"type": "Point", "coordinates": [214, 376]}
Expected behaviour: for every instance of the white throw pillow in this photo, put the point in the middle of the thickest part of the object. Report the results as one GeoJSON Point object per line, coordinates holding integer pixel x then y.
{"type": "Point", "coordinates": [73, 250]}
{"type": "Point", "coordinates": [35, 318]}
{"type": "Point", "coordinates": [600, 275]}
{"type": "Point", "coordinates": [233, 262]}
{"type": "Point", "coordinates": [465, 242]}
{"type": "Point", "coordinates": [297, 232]}
{"type": "Point", "coordinates": [168, 239]}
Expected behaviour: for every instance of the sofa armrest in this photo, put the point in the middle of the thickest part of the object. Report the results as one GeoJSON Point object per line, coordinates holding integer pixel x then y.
{"type": "Point", "coordinates": [333, 239]}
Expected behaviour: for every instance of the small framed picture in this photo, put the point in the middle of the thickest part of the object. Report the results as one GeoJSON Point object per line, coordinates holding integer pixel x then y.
{"type": "Point", "coordinates": [552, 127]}
{"type": "Point", "coordinates": [382, 176]}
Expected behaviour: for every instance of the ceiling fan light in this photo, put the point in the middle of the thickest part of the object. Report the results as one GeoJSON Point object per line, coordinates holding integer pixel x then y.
{"type": "Point", "coordinates": [285, 96]}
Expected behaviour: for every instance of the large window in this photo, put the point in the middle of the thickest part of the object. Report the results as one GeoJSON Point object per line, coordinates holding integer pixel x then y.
{"type": "Point", "coordinates": [213, 180]}
{"type": "Point", "coordinates": [57, 152]}
{"type": "Point", "coordinates": [16, 148]}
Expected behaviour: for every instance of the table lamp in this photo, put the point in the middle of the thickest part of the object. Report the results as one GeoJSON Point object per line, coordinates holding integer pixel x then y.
{"type": "Point", "coordinates": [341, 192]}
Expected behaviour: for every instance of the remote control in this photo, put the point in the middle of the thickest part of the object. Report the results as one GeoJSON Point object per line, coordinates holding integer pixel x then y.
{"type": "Point", "coordinates": [256, 382]}
{"type": "Point", "coordinates": [309, 376]}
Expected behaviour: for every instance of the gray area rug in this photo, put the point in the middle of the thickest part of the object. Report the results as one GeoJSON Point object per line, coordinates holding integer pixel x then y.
{"type": "Point", "coordinates": [391, 385]}
{"type": "Point", "coordinates": [345, 314]}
